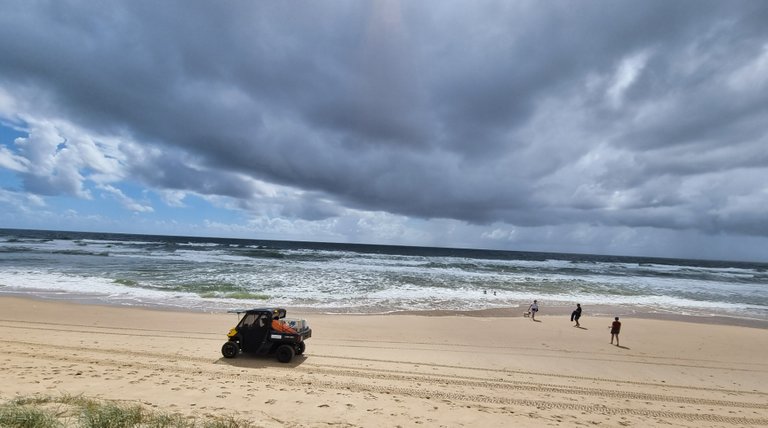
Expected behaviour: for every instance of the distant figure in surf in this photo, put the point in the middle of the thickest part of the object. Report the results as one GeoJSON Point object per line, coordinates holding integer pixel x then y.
{"type": "Point", "coordinates": [576, 314]}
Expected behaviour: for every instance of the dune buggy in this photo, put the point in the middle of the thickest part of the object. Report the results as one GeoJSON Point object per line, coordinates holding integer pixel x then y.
{"type": "Point", "coordinates": [266, 331]}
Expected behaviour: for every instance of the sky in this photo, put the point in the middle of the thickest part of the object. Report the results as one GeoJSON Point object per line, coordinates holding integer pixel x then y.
{"type": "Point", "coordinates": [603, 127]}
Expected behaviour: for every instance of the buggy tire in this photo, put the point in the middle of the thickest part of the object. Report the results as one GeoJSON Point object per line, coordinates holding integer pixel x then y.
{"type": "Point", "coordinates": [230, 350]}
{"type": "Point", "coordinates": [285, 353]}
{"type": "Point", "coordinates": [300, 348]}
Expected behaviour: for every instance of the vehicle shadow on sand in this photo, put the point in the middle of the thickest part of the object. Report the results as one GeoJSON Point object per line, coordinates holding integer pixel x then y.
{"type": "Point", "coordinates": [246, 361]}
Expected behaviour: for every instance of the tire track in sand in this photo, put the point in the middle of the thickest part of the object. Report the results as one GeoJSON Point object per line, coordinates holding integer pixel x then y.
{"type": "Point", "coordinates": [360, 382]}
{"type": "Point", "coordinates": [217, 337]}
{"type": "Point", "coordinates": [486, 383]}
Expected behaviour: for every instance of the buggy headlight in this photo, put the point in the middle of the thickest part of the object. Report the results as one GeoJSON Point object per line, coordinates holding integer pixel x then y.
{"type": "Point", "coordinates": [232, 332]}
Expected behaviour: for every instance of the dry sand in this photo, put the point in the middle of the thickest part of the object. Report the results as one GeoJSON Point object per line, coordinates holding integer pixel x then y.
{"type": "Point", "coordinates": [396, 370]}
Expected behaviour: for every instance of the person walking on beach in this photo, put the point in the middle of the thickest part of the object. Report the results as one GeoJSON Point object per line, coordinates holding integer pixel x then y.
{"type": "Point", "coordinates": [575, 315]}
{"type": "Point", "coordinates": [615, 329]}
{"type": "Point", "coordinates": [533, 309]}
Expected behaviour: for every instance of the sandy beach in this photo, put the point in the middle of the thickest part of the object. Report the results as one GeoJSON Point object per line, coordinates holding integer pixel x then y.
{"type": "Point", "coordinates": [395, 370]}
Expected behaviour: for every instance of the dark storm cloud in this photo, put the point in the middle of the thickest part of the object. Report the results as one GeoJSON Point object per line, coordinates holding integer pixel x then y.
{"type": "Point", "coordinates": [170, 170]}
{"type": "Point", "coordinates": [530, 113]}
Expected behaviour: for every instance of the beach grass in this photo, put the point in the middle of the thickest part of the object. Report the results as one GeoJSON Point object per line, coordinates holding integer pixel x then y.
{"type": "Point", "coordinates": [40, 411]}
{"type": "Point", "coordinates": [27, 417]}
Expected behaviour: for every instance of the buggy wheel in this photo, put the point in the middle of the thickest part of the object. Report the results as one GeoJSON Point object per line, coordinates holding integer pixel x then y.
{"type": "Point", "coordinates": [230, 350]}
{"type": "Point", "coordinates": [285, 353]}
{"type": "Point", "coordinates": [300, 348]}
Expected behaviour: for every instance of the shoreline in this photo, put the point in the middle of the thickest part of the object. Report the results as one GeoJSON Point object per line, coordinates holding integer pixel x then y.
{"type": "Point", "coordinates": [639, 312]}
{"type": "Point", "coordinates": [454, 370]}
{"type": "Point", "coordinates": [601, 311]}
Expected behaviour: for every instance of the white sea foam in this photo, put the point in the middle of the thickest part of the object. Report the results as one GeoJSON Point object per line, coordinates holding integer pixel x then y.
{"type": "Point", "coordinates": [153, 272]}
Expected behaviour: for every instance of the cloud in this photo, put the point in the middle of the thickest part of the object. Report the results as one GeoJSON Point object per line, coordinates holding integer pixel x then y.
{"type": "Point", "coordinates": [13, 162]}
{"type": "Point", "coordinates": [501, 115]}
{"type": "Point", "coordinates": [27, 203]}
{"type": "Point", "coordinates": [126, 201]}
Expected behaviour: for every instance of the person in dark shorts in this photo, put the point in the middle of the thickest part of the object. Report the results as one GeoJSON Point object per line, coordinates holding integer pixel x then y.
{"type": "Point", "coordinates": [575, 315]}
{"type": "Point", "coordinates": [533, 309]}
{"type": "Point", "coordinates": [615, 329]}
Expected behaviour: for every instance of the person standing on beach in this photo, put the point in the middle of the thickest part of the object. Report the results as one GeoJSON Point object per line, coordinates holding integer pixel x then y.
{"type": "Point", "coordinates": [575, 315]}
{"type": "Point", "coordinates": [615, 329]}
{"type": "Point", "coordinates": [533, 309]}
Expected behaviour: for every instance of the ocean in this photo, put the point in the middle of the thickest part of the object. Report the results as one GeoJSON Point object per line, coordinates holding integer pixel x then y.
{"type": "Point", "coordinates": [216, 274]}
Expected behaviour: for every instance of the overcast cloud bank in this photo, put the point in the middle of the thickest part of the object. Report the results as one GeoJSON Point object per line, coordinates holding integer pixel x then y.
{"type": "Point", "coordinates": [603, 127]}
